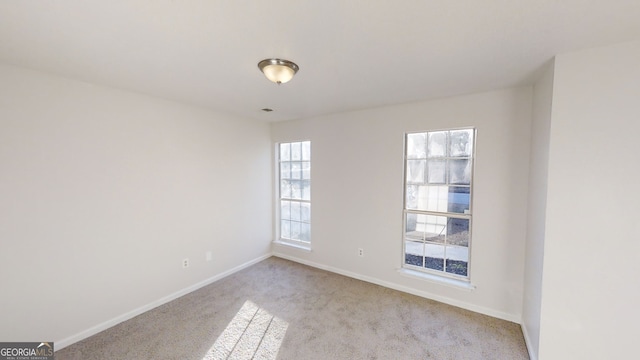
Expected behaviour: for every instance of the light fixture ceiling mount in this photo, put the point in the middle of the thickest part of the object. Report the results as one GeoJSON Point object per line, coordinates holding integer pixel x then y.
{"type": "Point", "coordinates": [277, 70]}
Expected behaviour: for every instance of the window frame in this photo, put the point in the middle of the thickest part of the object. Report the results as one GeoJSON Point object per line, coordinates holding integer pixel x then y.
{"type": "Point", "coordinates": [467, 215]}
{"type": "Point", "coordinates": [279, 239]}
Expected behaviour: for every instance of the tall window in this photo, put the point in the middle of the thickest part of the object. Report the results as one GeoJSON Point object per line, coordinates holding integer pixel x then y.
{"type": "Point", "coordinates": [437, 208]}
{"type": "Point", "coordinates": [294, 160]}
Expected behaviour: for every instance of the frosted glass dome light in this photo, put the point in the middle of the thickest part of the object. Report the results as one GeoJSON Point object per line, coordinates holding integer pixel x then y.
{"type": "Point", "coordinates": [277, 70]}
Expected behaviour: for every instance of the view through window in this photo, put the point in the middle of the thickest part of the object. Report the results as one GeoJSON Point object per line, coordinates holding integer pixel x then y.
{"type": "Point", "coordinates": [437, 210]}
{"type": "Point", "coordinates": [294, 163]}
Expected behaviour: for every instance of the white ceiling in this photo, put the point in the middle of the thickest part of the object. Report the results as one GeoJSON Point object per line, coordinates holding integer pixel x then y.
{"type": "Point", "coordinates": [352, 54]}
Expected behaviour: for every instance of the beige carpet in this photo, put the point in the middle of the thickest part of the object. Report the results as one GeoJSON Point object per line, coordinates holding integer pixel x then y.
{"type": "Point", "coordinates": [284, 310]}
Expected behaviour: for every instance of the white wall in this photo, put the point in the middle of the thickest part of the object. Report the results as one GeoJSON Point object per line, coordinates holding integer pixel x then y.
{"type": "Point", "coordinates": [591, 252]}
{"type": "Point", "coordinates": [357, 191]}
{"type": "Point", "coordinates": [102, 194]}
{"type": "Point", "coordinates": [536, 211]}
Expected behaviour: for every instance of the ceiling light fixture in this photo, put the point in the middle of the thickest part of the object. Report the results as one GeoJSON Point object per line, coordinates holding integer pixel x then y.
{"type": "Point", "coordinates": [277, 70]}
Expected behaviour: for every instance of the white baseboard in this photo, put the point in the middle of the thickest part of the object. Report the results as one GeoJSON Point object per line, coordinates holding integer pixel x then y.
{"type": "Point", "coordinates": [424, 294]}
{"type": "Point", "coordinates": [60, 344]}
{"type": "Point", "coordinates": [527, 341]}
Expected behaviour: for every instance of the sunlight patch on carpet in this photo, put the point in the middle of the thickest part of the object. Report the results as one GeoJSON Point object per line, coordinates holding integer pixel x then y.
{"type": "Point", "coordinates": [252, 334]}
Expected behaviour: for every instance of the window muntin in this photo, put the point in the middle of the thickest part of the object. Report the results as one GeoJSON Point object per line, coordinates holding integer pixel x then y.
{"type": "Point", "coordinates": [437, 211]}
{"type": "Point", "coordinates": [294, 165]}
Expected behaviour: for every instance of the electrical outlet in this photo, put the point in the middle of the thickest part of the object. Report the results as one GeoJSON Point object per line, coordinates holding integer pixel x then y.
{"type": "Point", "coordinates": [360, 252]}
{"type": "Point", "coordinates": [185, 263]}
{"type": "Point", "coordinates": [208, 256]}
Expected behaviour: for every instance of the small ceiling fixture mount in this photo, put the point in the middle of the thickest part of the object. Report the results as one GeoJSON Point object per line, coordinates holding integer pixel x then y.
{"type": "Point", "coordinates": [277, 70]}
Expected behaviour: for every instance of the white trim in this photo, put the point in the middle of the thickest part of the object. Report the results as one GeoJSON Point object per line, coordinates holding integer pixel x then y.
{"type": "Point", "coordinates": [305, 247]}
{"type": "Point", "coordinates": [60, 344]}
{"type": "Point", "coordinates": [425, 294]}
{"type": "Point", "coordinates": [527, 342]}
{"type": "Point", "coordinates": [438, 279]}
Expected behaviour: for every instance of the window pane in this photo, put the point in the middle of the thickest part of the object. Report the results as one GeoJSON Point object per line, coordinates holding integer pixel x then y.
{"type": "Point", "coordinates": [457, 267]}
{"type": "Point", "coordinates": [458, 232]}
{"type": "Point", "coordinates": [295, 210]}
{"type": "Point", "coordinates": [285, 189]}
{"type": "Point", "coordinates": [411, 220]}
{"type": "Point", "coordinates": [437, 144]}
{"type": "Point", "coordinates": [285, 170]}
{"type": "Point", "coordinates": [285, 229]}
{"type": "Point", "coordinates": [459, 199]}
{"type": "Point", "coordinates": [411, 194]}
{"type": "Point", "coordinates": [296, 192]}
{"type": "Point", "coordinates": [435, 263]}
{"type": "Point", "coordinates": [427, 198]}
{"type": "Point", "coordinates": [434, 252]}
{"type": "Point", "coordinates": [305, 212]}
{"type": "Point", "coordinates": [285, 210]}
{"type": "Point", "coordinates": [433, 198]}
{"type": "Point", "coordinates": [461, 142]}
{"type": "Point", "coordinates": [306, 190]}
{"type": "Point", "coordinates": [416, 146]}
{"type": "Point", "coordinates": [421, 220]}
{"type": "Point", "coordinates": [436, 171]}
{"type": "Point", "coordinates": [296, 151]}
{"type": "Point", "coordinates": [305, 232]}
{"type": "Point", "coordinates": [295, 230]}
{"type": "Point", "coordinates": [306, 150]}
{"type": "Point", "coordinates": [296, 170]}
{"type": "Point", "coordinates": [438, 198]}
{"type": "Point", "coordinates": [460, 171]}
{"type": "Point", "coordinates": [411, 232]}
{"type": "Point", "coordinates": [457, 251]}
{"type": "Point", "coordinates": [415, 171]}
{"type": "Point", "coordinates": [457, 254]}
{"type": "Point", "coordinates": [434, 227]}
{"type": "Point", "coordinates": [285, 151]}
{"type": "Point", "coordinates": [414, 253]}
{"type": "Point", "coordinates": [306, 170]}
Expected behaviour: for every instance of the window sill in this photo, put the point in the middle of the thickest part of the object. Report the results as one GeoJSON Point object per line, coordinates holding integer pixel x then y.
{"type": "Point", "coordinates": [458, 284]}
{"type": "Point", "coordinates": [293, 245]}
